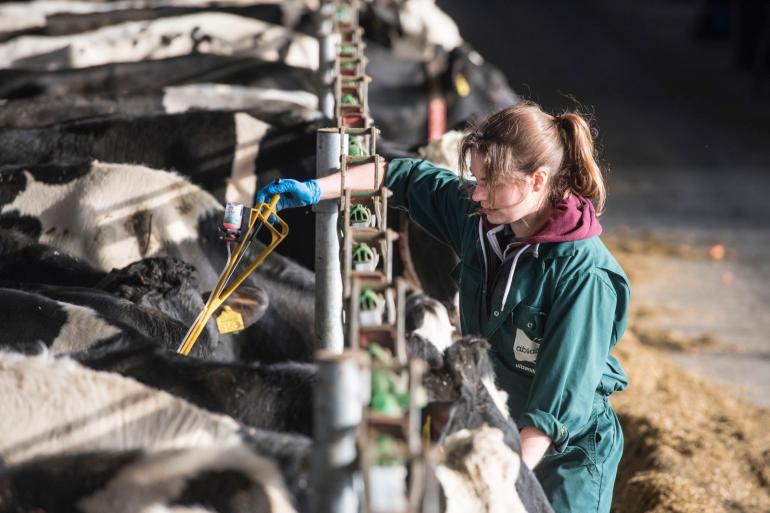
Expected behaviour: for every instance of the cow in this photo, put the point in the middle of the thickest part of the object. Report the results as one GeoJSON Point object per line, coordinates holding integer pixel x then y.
{"type": "Point", "coordinates": [398, 94]}
{"type": "Point", "coordinates": [475, 469]}
{"type": "Point", "coordinates": [65, 18]}
{"type": "Point", "coordinates": [125, 78]}
{"type": "Point", "coordinates": [413, 30]}
{"type": "Point", "coordinates": [220, 151]}
{"type": "Point", "coordinates": [230, 479]}
{"type": "Point", "coordinates": [464, 397]}
{"type": "Point", "coordinates": [273, 106]}
{"type": "Point", "coordinates": [276, 397]}
{"type": "Point", "coordinates": [162, 283]}
{"type": "Point", "coordinates": [479, 472]}
{"type": "Point", "coordinates": [110, 215]}
{"type": "Point", "coordinates": [55, 406]}
{"type": "Point", "coordinates": [58, 18]}
{"type": "Point", "coordinates": [210, 32]}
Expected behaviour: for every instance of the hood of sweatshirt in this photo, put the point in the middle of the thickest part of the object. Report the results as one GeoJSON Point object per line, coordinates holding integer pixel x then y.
{"type": "Point", "coordinates": [572, 219]}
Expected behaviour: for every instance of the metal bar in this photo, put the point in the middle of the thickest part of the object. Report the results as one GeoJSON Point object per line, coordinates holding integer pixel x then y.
{"type": "Point", "coordinates": [328, 41]}
{"type": "Point", "coordinates": [337, 413]}
{"type": "Point", "coordinates": [328, 290]}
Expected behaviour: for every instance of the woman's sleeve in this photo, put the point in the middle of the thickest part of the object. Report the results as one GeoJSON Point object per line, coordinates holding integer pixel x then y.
{"type": "Point", "coordinates": [572, 357]}
{"type": "Point", "coordinates": [433, 197]}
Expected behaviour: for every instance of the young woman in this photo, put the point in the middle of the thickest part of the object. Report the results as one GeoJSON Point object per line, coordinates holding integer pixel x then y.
{"type": "Point", "coordinates": [534, 279]}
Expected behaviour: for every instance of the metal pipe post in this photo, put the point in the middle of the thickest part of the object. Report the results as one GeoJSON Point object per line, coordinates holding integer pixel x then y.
{"type": "Point", "coordinates": [328, 41]}
{"type": "Point", "coordinates": [337, 411]}
{"type": "Point", "coordinates": [328, 277]}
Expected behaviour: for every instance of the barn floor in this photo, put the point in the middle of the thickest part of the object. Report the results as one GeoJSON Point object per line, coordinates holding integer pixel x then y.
{"type": "Point", "coordinates": [685, 138]}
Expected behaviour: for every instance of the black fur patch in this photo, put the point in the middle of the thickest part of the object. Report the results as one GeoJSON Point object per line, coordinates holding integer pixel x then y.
{"type": "Point", "coordinates": [140, 225]}
{"type": "Point", "coordinates": [12, 182]}
{"type": "Point", "coordinates": [57, 483]}
{"type": "Point", "coordinates": [27, 319]}
{"type": "Point", "coordinates": [27, 225]}
{"type": "Point", "coordinates": [224, 491]}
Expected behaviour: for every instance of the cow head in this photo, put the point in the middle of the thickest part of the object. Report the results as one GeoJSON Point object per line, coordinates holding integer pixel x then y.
{"type": "Point", "coordinates": [171, 286]}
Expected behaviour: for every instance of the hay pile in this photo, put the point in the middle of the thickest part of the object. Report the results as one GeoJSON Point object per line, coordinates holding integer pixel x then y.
{"type": "Point", "coordinates": [690, 445]}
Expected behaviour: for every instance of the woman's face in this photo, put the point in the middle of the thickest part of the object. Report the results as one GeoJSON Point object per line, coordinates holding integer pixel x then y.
{"type": "Point", "coordinates": [509, 202]}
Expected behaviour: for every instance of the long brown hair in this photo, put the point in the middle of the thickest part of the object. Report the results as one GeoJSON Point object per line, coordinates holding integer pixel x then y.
{"type": "Point", "coordinates": [524, 138]}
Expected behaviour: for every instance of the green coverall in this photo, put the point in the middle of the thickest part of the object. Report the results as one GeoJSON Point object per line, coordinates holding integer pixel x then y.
{"type": "Point", "coordinates": [551, 337]}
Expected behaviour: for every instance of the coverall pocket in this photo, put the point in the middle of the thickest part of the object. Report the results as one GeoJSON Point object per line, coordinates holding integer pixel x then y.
{"type": "Point", "coordinates": [581, 449]}
{"type": "Point", "coordinates": [530, 320]}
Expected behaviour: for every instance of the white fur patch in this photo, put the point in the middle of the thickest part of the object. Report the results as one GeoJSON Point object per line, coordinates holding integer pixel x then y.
{"type": "Point", "coordinates": [151, 483]}
{"type": "Point", "coordinates": [499, 397]}
{"type": "Point", "coordinates": [424, 26]}
{"type": "Point", "coordinates": [214, 33]}
{"type": "Point", "coordinates": [83, 329]}
{"type": "Point", "coordinates": [445, 151]}
{"type": "Point", "coordinates": [478, 473]}
{"type": "Point", "coordinates": [229, 97]}
{"type": "Point", "coordinates": [242, 186]}
{"type": "Point", "coordinates": [101, 205]}
{"type": "Point", "coordinates": [55, 406]}
{"type": "Point", "coordinates": [437, 329]}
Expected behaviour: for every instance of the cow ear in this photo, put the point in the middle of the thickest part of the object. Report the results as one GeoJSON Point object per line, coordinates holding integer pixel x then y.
{"type": "Point", "coordinates": [250, 302]}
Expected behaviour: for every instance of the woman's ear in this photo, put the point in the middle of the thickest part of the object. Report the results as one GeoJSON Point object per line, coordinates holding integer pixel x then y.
{"type": "Point", "coordinates": [540, 179]}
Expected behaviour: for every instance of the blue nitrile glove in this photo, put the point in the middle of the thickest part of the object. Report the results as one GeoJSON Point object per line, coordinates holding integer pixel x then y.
{"type": "Point", "coordinates": [293, 193]}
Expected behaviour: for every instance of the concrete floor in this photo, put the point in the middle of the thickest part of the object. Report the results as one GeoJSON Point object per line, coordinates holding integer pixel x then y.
{"type": "Point", "coordinates": [687, 145]}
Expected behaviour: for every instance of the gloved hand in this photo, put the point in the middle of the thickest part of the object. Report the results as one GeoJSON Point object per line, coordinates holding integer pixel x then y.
{"type": "Point", "coordinates": [293, 193]}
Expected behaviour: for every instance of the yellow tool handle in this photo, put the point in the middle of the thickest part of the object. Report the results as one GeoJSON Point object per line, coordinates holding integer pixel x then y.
{"type": "Point", "coordinates": [219, 295]}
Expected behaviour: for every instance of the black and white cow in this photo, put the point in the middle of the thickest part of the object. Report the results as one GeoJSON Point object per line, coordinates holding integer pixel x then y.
{"type": "Point", "coordinates": [211, 479]}
{"type": "Point", "coordinates": [144, 77]}
{"type": "Point", "coordinates": [275, 397]}
{"type": "Point", "coordinates": [464, 397]}
{"type": "Point", "coordinates": [56, 406]}
{"type": "Point", "coordinates": [158, 297]}
{"type": "Point", "coordinates": [42, 18]}
{"type": "Point", "coordinates": [273, 106]}
{"type": "Point", "coordinates": [220, 151]}
{"type": "Point", "coordinates": [131, 41]}
{"type": "Point", "coordinates": [93, 212]}
{"type": "Point", "coordinates": [399, 92]}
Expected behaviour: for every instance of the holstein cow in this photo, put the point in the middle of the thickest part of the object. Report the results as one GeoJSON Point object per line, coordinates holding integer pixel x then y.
{"type": "Point", "coordinates": [210, 32]}
{"type": "Point", "coordinates": [464, 397]}
{"type": "Point", "coordinates": [164, 284]}
{"type": "Point", "coordinates": [479, 472]}
{"type": "Point", "coordinates": [209, 479]}
{"type": "Point", "coordinates": [45, 18]}
{"type": "Point", "coordinates": [399, 92]}
{"type": "Point", "coordinates": [275, 397]}
{"type": "Point", "coordinates": [111, 215]}
{"type": "Point", "coordinates": [148, 76]}
{"type": "Point", "coordinates": [220, 151]}
{"type": "Point", "coordinates": [273, 106]}
{"type": "Point", "coordinates": [57, 18]}
{"type": "Point", "coordinates": [413, 29]}
{"type": "Point", "coordinates": [55, 406]}
{"type": "Point", "coordinates": [475, 469]}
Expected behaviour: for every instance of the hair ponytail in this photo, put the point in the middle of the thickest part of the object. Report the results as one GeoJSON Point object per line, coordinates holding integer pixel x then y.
{"type": "Point", "coordinates": [523, 138]}
{"type": "Point", "coordinates": [579, 173]}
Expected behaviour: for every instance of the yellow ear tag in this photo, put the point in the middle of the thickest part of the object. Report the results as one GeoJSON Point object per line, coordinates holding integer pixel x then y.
{"type": "Point", "coordinates": [426, 438]}
{"type": "Point", "coordinates": [229, 321]}
{"type": "Point", "coordinates": [461, 85]}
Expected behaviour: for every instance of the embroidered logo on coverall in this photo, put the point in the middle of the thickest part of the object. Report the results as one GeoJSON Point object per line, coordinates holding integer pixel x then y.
{"type": "Point", "coordinates": [525, 351]}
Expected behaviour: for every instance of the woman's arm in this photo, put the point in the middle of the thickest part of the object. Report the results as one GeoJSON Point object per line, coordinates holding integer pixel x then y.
{"type": "Point", "coordinates": [534, 443]}
{"type": "Point", "coordinates": [356, 177]}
